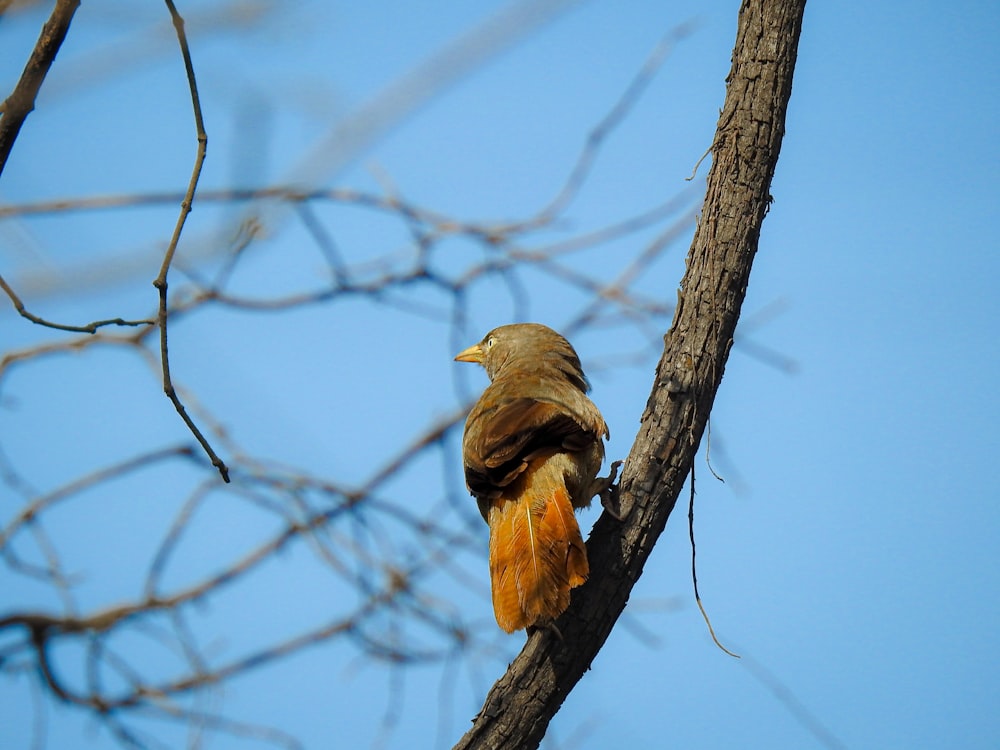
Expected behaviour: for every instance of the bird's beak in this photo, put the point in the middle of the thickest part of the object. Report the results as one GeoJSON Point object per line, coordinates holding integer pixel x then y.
{"type": "Point", "coordinates": [473, 354]}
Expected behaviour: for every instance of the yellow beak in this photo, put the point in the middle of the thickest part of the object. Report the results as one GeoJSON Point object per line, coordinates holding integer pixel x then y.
{"type": "Point", "coordinates": [473, 354]}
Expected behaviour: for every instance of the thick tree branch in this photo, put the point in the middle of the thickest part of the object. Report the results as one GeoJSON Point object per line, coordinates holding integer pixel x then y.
{"type": "Point", "coordinates": [745, 151]}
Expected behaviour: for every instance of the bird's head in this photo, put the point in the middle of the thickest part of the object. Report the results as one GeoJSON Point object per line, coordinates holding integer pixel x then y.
{"type": "Point", "coordinates": [527, 346]}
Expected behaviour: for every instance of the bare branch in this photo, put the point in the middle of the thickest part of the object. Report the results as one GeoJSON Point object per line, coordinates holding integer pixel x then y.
{"type": "Point", "coordinates": [161, 280]}
{"type": "Point", "coordinates": [16, 107]}
{"type": "Point", "coordinates": [88, 328]}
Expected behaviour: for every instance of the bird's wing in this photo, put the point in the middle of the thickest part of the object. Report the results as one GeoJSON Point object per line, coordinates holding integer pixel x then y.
{"type": "Point", "coordinates": [504, 438]}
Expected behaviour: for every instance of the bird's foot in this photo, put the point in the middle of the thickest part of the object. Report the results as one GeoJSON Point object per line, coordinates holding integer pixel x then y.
{"type": "Point", "coordinates": [608, 492]}
{"type": "Point", "coordinates": [548, 627]}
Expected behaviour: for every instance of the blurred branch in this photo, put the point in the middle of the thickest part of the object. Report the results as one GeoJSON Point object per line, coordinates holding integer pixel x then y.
{"type": "Point", "coordinates": [16, 107]}
{"type": "Point", "coordinates": [613, 119]}
{"type": "Point", "coordinates": [349, 139]}
{"type": "Point", "coordinates": [43, 503]}
{"type": "Point", "coordinates": [290, 194]}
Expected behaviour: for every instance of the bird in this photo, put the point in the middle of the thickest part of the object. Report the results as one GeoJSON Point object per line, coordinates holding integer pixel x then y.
{"type": "Point", "coordinates": [532, 448]}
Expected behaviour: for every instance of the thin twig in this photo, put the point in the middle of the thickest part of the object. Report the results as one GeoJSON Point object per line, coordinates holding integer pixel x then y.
{"type": "Point", "coordinates": [21, 101]}
{"type": "Point", "coordinates": [88, 328]}
{"type": "Point", "coordinates": [697, 164]}
{"type": "Point", "coordinates": [161, 280]}
{"type": "Point", "coordinates": [694, 571]}
{"type": "Point", "coordinates": [708, 452]}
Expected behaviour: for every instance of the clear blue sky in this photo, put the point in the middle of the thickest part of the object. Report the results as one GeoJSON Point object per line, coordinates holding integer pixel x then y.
{"type": "Point", "coordinates": [851, 556]}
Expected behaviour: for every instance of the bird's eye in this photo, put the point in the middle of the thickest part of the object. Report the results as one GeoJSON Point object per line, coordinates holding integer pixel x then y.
{"type": "Point", "coordinates": [490, 341]}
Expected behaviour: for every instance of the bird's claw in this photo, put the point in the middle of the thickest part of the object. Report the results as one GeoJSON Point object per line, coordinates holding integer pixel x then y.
{"type": "Point", "coordinates": [608, 492]}
{"type": "Point", "coordinates": [548, 627]}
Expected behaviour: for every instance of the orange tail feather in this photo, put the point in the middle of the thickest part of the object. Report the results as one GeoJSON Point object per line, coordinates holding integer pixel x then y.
{"type": "Point", "coordinates": [536, 551]}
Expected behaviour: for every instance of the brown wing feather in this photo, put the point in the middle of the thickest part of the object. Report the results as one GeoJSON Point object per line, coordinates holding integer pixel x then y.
{"type": "Point", "coordinates": [526, 424]}
{"type": "Point", "coordinates": [511, 434]}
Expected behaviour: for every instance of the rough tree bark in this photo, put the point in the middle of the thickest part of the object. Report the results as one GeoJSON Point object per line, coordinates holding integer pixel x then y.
{"type": "Point", "coordinates": [745, 151]}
